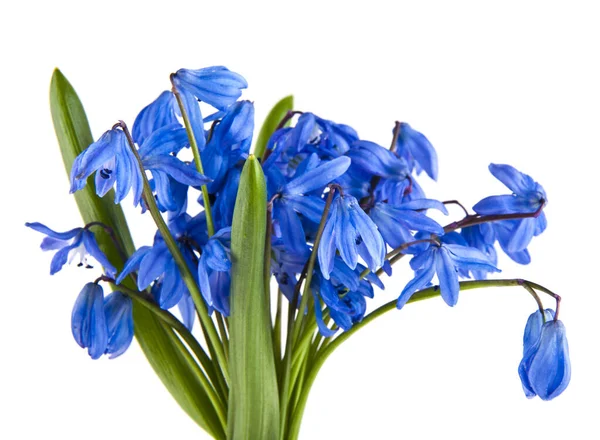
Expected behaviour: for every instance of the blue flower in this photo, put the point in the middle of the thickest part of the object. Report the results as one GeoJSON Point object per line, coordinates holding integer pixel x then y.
{"type": "Point", "coordinates": [444, 260]}
{"type": "Point", "coordinates": [418, 152]}
{"type": "Point", "coordinates": [118, 311]}
{"type": "Point", "coordinates": [78, 241]}
{"type": "Point", "coordinates": [217, 85]}
{"type": "Point", "coordinates": [528, 197]}
{"type": "Point", "coordinates": [88, 322]}
{"type": "Point", "coordinates": [114, 162]}
{"type": "Point", "coordinates": [353, 233]}
{"type": "Point", "coordinates": [545, 369]}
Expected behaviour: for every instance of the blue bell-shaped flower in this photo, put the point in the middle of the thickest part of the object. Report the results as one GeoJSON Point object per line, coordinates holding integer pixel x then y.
{"type": "Point", "coordinates": [88, 322]}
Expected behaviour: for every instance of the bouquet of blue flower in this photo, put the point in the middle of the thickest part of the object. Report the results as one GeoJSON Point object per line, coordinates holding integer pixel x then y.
{"type": "Point", "coordinates": [266, 252]}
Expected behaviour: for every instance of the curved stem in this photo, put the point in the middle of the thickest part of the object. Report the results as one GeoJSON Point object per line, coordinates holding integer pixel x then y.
{"type": "Point", "coordinates": [431, 292]}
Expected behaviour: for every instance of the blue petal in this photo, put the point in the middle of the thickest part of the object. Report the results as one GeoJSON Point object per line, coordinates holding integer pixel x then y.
{"type": "Point", "coordinates": [533, 328]}
{"type": "Point", "coordinates": [309, 206]}
{"type": "Point", "coordinates": [326, 251]}
{"type": "Point", "coordinates": [377, 160]}
{"type": "Point", "coordinates": [424, 204]}
{"type": "Point", "coordinates": [345, 232]}
{"type": "Point", "coordinates": [88, 323]}
{"type": "Point", "coordinates": [195, 117]}
{"type": "Point", "coordinates": [175, 168]}
{"type": "Point", "coordinates": [51, 233]}
{"type": "Point", "coordinates": [155, 115]}
{"type": "Point", "coordinates": [133, 263]}
{"type": "Point", "coordinates": [521, 235]}
{"type": "Point", "coordinates": [514, 180]}
{"type": "Point", "coordinates": [60, 258]}
{"type": "Point", "coordinates": [216, 256]}
{"type": "Point", "coordinates": [187, 310]}
{"type": "Point", "coordinates": [549, 371]}
{"type": "Point", "coordinates": [506, 204]}
{"type": "Point", "coordinates": [204, 282]}
{"type": "Point", "coordinates": [318, 177]}
{"type": "Point", "coordinates": [237, 125]}
{"type": "Point", "coordinates": [421, 279]}
{"type": "Point", "coordinates": [91, 246]}
{"type": "Point", "coordinates": [292, 232]}
{"type": "Point", "coordinates": [466, 256]}
{"type": "Point", "coordinates": [152, 266]}
{"type": "Point", "coordinates": [302, 133]}
{"type": "Point", "coordinates": [419, 148]}
{"type": "Point", "coordinates": [373, 251]}
{"type": "Point", "coordinates": [166, 140]}
{"type": "Point", "coordinates": [323, 329]}
{"type": "Point", "coordinates": [447, 275]}
{"type": "Point", "coordinates": [119, 321]}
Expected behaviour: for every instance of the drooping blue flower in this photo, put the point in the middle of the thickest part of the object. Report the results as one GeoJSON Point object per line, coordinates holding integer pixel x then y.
{"type": "Point", "coordinates": [395, 222]}
{"type": "Point", "coordinates": [353, 233]}
{"type": "Point", "coordinates": [76, 242]}
{"type": "Point", "coordinates": [418, 152]}
{"type": "Point", "coordinates": [545, 369]}
{"type": "Point", "coordinates": [88, 322]}
{"type": "Point", "coordinates": [217, 85]}
{"type": "Point", "coordinates": [114, 163]}
{"type": "Point", "coordinates": [444, 260]}
{"type": "Point", "coordinates": [118, 311]}
{"type": "Point", "coordinates": [528, 197]}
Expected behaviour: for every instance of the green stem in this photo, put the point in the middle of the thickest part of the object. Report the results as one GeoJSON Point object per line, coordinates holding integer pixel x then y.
{"type": "Point", "coordinates": [186, 275]}
{"type": "Point", "coordinates": [197, 159]}
{"type": "Point", "coordinates": [322, 356]}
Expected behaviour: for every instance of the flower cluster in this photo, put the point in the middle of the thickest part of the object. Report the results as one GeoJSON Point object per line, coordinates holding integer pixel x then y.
{"type": "Point", "coordinates": [352, 203]}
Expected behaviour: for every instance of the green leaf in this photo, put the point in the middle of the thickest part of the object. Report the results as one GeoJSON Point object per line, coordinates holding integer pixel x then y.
{"type": "Point", "coordinates": [253, 395]}
{"type": "Point", "coordinates": [158, 341]}
{"type": "Point", "coordinates": [272, 120]}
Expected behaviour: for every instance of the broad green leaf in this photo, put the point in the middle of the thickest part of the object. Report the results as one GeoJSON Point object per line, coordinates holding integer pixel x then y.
{"type": "Point", "coordinates": [253, 395]}
{"type": "Point", "coordinates": [272, 120]}
{"type": "Point", "coordinates": [156, 338]}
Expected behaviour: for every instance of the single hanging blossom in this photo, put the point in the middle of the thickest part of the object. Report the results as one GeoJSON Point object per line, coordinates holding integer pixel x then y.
{"type": "Point", "coordinates": [76, 242]}
{"type": "Point", "coordinates": [545, 369]}
{"type": "Point", "coordinates": [528, 197]}
{"type": "Point", "coordinates": [445, 260]}
{"type": "Point", "coordinates": [353, 233]}
{"type": "Point", "coordinates": [88, 321]}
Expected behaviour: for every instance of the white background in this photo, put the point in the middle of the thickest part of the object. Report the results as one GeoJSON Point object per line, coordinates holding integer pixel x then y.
{"type": "Point", "coordinates": [505, 82]}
